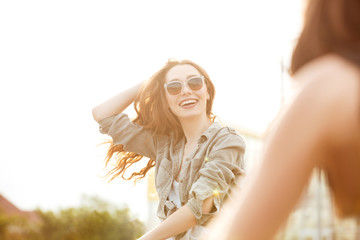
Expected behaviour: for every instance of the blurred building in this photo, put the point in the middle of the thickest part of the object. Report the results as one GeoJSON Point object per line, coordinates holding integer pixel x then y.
{"type": "Point", "coordinates": [153, 200]}
{"type": "Point", "coordinates": [8, 209]}
{"type": "Point", "coordinates": [13, 220]}
{"type": "Point", "coordinates": [314, 217]}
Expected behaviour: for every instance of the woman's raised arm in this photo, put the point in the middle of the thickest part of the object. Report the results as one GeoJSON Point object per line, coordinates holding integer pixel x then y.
{"type": "Point", "coordinates": [116, 104]}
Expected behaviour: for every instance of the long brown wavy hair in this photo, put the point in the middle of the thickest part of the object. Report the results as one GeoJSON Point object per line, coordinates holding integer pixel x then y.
{"type": "Point", "coordinates": [153, 113]}
{"type": "Point", "coordinates": [332, 26]}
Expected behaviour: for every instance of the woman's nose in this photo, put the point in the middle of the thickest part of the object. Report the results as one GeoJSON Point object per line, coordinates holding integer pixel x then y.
{"type": "Point", "coordinates": [185, 88]}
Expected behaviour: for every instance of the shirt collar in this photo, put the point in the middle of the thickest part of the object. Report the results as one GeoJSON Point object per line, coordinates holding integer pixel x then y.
{"type": "Point", "coordinates": [210, 131]}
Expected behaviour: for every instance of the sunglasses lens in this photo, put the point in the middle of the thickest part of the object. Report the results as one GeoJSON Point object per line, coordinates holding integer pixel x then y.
{"type": "Point", "coordinates": [174, 88]}
{"type": "Point", "coordinates": [195, 83]}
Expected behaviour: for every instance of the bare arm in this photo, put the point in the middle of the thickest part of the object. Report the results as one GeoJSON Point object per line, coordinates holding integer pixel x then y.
{"type": "Point", "coordinates": [116, 104]}
{"type": "Point", "coordinates": [295, 146]}
{"type": "Point", "coordinates": [178, 222]}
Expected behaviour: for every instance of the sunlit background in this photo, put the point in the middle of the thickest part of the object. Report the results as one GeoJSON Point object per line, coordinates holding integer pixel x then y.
{"type": "Point", "coordinates": [58, 59]}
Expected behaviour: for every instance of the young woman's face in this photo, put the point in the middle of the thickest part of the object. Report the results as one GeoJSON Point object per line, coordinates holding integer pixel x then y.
{"type": "Point", "coordinates": [190, 101]}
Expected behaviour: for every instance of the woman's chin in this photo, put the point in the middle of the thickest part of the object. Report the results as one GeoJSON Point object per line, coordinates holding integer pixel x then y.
{"type": "Point", "coordinates": [190, 115]}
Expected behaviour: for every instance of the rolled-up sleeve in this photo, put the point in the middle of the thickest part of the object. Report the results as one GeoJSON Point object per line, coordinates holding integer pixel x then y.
{"type": "Point", "coordinates": [222, 166]}
{"type": "Point", "coordinates": [133, 137]}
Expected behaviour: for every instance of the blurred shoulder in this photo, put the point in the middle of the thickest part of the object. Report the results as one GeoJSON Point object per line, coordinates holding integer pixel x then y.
{"type": "Point", "coordinates": [330, 85]}
{"type": "Point", "coordinates": [329, 71]}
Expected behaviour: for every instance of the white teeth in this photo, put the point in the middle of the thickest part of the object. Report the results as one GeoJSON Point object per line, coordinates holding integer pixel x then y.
{"type": "Point", "coordinates": [187, 102]}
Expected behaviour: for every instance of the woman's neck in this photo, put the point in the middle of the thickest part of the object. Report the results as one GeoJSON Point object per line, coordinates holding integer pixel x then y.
{"type": "Point", "coordinates": [194, 127]}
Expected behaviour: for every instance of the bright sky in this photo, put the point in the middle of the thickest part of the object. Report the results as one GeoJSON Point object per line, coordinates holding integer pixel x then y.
{"type": "Point", "coordinates": [58, 59]}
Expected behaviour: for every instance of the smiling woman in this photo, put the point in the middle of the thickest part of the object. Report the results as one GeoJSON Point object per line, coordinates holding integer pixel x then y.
{"type": "Point", "coordinates": [191, 103]}
{"type": "Point", "coordinates": [196, 160]}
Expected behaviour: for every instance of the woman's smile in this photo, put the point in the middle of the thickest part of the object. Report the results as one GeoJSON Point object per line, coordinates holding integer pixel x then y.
{"type": "Point", "coordinates": [188, 103]}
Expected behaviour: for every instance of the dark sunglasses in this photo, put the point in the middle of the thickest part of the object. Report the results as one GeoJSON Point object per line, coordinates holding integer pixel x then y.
{"type": "Point", "coordinates": [193, 83]}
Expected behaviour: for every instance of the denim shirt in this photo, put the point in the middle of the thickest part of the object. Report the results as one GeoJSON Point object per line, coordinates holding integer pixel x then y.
{"type": "Point", "coordinates": [210, 170]}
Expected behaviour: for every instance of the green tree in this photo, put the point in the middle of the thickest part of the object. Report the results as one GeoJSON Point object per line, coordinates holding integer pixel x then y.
{"type": "Point", "coordinates": [4, 223]}
{"type": "Point", "coordinates": [95, 219]}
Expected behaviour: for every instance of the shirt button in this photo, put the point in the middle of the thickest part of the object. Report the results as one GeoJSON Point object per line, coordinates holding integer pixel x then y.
{"type": "Point", "coordinates": [202, 139]}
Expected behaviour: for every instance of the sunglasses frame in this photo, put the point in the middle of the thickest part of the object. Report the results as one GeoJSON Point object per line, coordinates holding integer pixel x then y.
{"type": "Point", "coordinates": [185, 82]}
